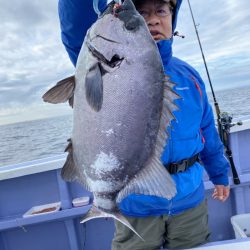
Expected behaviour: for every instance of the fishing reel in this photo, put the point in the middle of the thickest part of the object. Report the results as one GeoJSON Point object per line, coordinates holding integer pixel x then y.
{"type": "Point", "coordinates": [226, 121]}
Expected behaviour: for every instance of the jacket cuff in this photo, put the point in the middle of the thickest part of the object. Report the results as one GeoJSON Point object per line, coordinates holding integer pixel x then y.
{"type": "Point", "coordinates": [220, 180]}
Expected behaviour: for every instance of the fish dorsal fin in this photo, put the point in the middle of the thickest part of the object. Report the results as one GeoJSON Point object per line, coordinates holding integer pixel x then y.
{"type": "Point", "coordinates": [153, 179]}
{"type": "Point", "coordinates": [61, 92]}
{"type": "Point", "coordinates": [95, 212]}
{"type": "Point", "coordinates": [94, 87]}
{"type": "Point", "coordinates": [169, 95]}
{"type": "Point", "coordinates": [167, 115]}
{"type": "Point", "coordinates": [70, 171]}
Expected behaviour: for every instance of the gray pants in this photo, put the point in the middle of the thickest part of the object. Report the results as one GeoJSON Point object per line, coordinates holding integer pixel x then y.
{"type": "Point", "coordinates": [185, 230]}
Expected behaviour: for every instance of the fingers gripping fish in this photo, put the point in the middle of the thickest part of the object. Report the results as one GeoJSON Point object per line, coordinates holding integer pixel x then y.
{"type": "Point", "coordinates": [123, 104]}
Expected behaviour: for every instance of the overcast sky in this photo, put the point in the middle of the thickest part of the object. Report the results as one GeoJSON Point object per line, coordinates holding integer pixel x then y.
{"type": "Point", "coordinates": [33, 58]}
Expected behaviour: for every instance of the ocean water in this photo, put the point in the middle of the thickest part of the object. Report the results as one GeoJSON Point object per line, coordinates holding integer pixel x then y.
{"type": "Point", "coordinates": [234, 101]}
{"type": "Point", "coordinates": [25, 141]}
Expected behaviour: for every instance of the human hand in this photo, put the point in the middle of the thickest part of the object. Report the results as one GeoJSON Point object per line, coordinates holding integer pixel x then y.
{"type": "Point", "coordinates": [221, 192]}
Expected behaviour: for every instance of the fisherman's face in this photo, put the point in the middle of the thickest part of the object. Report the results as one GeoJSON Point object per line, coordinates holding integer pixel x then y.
{"type": "Point", "coordinates": [158, 16]}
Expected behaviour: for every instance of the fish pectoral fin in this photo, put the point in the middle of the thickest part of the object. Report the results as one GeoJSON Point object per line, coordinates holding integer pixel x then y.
{"type": "Point", "coordinates": [70, 171]}
{"type": "Point", "coordinates": [94, 87]}
{"type": "Point", "coordinates": [61, 92]}
{"type": "Point", "coordinates": [153, 179]}
{"type": "Point", "coordinates": [95, 212]}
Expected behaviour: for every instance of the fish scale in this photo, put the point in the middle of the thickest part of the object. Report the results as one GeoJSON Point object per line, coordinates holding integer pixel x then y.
{"type": "Point", "coordinates": [123, 105]}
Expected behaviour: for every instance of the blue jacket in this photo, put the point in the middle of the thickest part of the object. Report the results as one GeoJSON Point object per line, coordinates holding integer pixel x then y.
{"type": "Point", "coordinates": [193, 131]}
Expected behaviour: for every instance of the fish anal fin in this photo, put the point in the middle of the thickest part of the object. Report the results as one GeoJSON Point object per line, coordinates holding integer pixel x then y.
{"type": "Point", "coordinates": [94, 87]}
{"type": "Point", "coordinates": [95, 212]}
{"type": "Point", "coordinates": [61, 92]}
{"type": "Point", "coordinates": [153, 179]}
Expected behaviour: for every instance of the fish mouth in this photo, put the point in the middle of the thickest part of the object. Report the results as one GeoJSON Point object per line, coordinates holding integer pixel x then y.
{"type": "Point", "coordinates": [114, 62]}
{"type": "Point", "coordinates": [127, 13]}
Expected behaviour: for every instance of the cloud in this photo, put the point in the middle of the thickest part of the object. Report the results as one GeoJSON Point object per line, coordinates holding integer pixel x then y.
{"type": "Point", "coordinates": [33, 57]}
{"type": "Point", "coordinates": [224, 33]}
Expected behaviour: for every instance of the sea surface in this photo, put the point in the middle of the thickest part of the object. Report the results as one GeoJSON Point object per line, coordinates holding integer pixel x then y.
{"type": "Point", "coordinates": [25, 141]}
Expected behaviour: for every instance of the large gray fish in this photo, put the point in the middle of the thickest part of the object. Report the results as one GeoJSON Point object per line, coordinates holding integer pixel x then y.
{"type": "Point", "coordinates": [123, 105]}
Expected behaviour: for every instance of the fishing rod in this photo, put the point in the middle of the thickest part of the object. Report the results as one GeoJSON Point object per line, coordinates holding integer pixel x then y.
{"type": "Point", "coordinates": [224, 120]}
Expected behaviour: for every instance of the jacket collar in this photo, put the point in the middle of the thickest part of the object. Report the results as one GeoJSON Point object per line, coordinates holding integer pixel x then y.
{"type": "Point", "coordinates": [165, 49]}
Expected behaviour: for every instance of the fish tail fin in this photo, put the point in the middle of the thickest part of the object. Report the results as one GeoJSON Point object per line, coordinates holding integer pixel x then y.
{"type": "Point", "coordinates": [95, 212]}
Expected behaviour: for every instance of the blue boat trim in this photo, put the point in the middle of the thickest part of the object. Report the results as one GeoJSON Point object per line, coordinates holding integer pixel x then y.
{"type": "Point", "coordinates": [19, 221]}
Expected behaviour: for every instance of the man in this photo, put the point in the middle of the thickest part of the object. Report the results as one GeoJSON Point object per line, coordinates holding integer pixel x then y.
{"type": "Point", "coordinates": [182, 221]}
